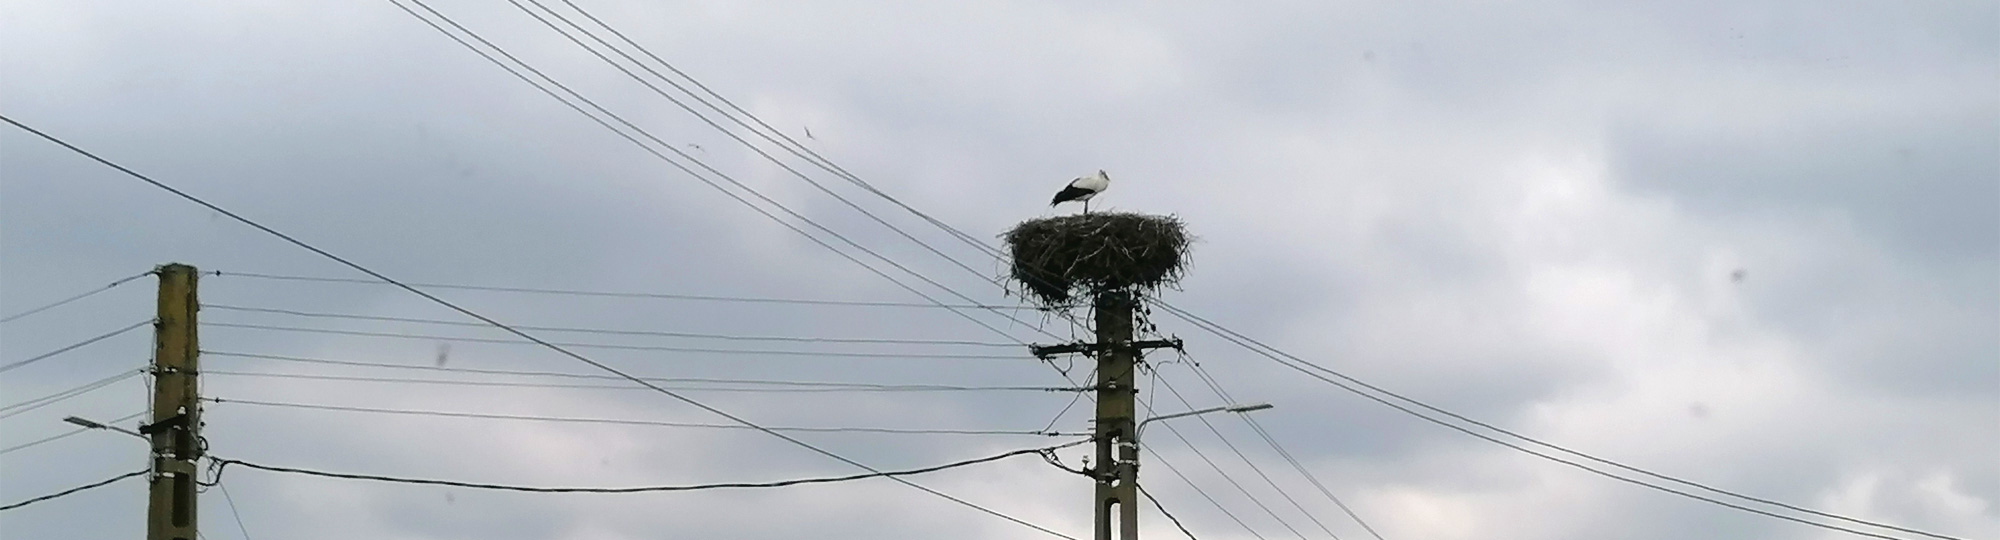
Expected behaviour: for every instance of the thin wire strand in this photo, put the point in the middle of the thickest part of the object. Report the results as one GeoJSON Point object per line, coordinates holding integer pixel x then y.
{"type": "Point", "coordinates": [524, 373]}
{"type": "Point", "coordinates": [225, 462]}
{"type": "Point", "coordinates": [66, 434]}
{"type": "Point", "coordinates": [85, 388]}
{"type": "Point", "coordinates": [74, 346]}
{"type": "Point", "coordinates": [619, 294]}
{"type": "Point", "coordinates": [603, 331]}
{"type": "Point", "coordinates": [455, 307]}
{"type": "Point", "coordinates": [451, 382]}
{"type": "Point", "coordinates": [232, 509]}
{"type": "Point", "coordinates": [1073, 400]}
{"type": "Point", "coordinates": [704, 350]}
{"type": "Point", "coordinates": [1163, 511]}
{"type": "Point", "coordinates": [86, 294]}
{"type": "Point", "coordinates": [74, 490]}
{"type": "Point", "coordinates": [1282, 357]}
{"type": "Point", "coordinates": [655, 423]}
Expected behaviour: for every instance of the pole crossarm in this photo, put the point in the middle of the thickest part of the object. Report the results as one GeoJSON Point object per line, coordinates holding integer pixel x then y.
{"type": "Point", "coordinates": [1046, 352]}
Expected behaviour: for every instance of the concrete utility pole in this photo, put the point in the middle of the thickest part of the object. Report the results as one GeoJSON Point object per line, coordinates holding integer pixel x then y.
{"type": "Point", "coordinates": [175, 429]}
{"type": "Point", "coordinates": [1117, 441]}
{"type": "Point", "coordinates": [1117, 435]}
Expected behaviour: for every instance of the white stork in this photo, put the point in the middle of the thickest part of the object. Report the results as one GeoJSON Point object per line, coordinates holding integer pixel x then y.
{"type": "Point", "coordinates": [1082, 189]}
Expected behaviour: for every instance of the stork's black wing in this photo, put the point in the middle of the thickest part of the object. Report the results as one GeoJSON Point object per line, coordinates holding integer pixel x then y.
{"type": "Point", "coordinates": [1070, 193]}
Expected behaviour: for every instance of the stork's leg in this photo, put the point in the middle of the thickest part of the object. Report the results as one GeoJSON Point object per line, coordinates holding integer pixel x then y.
{"type": "Point", "coordinates": [1086, 206]}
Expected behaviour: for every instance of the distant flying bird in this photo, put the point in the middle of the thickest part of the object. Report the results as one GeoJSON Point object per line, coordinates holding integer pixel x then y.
{"type": "Point", "coordinates": [1082, 189]}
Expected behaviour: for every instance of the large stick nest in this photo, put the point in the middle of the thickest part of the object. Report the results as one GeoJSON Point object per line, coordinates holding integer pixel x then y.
{"type": "Point", "coordinates": [1091, 253]}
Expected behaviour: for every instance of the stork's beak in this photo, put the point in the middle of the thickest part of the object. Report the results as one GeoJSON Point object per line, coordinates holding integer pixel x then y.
{"type": "Point", "coordinates": [1100, 174]}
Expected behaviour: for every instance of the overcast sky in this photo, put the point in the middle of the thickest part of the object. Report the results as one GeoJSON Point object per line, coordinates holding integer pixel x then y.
{"type": "Point", "coordinates": [1749, 244]}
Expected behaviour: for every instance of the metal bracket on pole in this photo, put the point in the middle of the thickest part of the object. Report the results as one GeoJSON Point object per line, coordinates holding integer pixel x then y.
{"type": "Point", "coordinates": [1046, 352]}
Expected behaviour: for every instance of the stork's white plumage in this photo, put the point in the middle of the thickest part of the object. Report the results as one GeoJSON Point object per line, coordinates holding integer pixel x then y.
{"type": "Point", "coordinates": [1082, 189]}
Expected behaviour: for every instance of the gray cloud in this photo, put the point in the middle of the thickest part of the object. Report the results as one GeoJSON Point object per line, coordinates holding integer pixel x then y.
{"type": "Point", "coordinates": [1529, 214]}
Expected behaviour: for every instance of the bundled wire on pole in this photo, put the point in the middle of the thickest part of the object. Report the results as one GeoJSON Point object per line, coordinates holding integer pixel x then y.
{"type": "Point", "coordinates": [74, 490]}
{"type": "Point", "coordinates": [220, 465]}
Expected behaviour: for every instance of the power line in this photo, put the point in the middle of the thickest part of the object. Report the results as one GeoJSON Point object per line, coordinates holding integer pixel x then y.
{"type": "Point", "coordinates": [1245, 457]}
{"type": "Point", "coordinates": [623, 294]}
{"type": "Point", "coordinates": [1282, 452]}
{"type": "Point", "coordinates": [73, 346]}
{"type": "Point", "coordinates": [1199, 491]}
{"type": "Point", "coordinates": [684, 168]}
{"type": "Point", "coordinates": [1164, 512]}
{"type": "Point", "coordinates": [450, 382]}
{"type": "Point", "coordinates": [524, 373]}
{"type": "Point", "coordinates": [85, 388]}
{"type": "Point", "coordinates": [655, 423]}
{"type": "Point", "coordinates": [66, 434]}
{"type": "Point", "coordinates": [1259, 503]}
{"type": "Point", "coordinates": [232, 508]}
{"type": "Point", "coordinates": [572, 329]}
{"type": "Point", "coordinates": [1287, 360]}
{"type": "Point", "coordinates": [725, 131]}
{"type": "Point", "coordinates": [86, 294]}
{"type": "Point", "coordinates": [986, 276]}
{"type": "Point", "coordinates": [1072, 401]}
{"type": "Point", "coordinates": [808, 154]}
{"type": "Point", "coordinates": [566, 352]}
{"type": "Point", "coordinates": [224, 463]}
{"type": "Point", "coordinates": [705, 350]}
{"type": "Point", "coordinates": [74, 490]}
